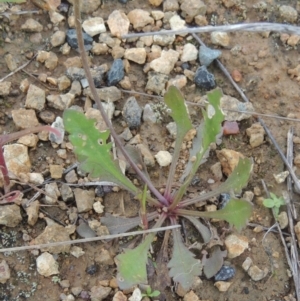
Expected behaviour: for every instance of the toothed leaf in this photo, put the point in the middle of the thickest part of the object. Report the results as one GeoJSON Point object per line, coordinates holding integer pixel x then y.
{"type": "Point", "coordinates": [92, 150]}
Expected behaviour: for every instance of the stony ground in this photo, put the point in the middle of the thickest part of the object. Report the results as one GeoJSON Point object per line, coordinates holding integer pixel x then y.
{"type": "Point", "coordinates": [265, 65]}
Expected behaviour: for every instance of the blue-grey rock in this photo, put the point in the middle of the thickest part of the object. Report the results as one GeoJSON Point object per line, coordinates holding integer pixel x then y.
{"type": "Point", "coordinates": [185, 65]}
{"type": "Point", "coordinates": [207, 55]}
{"type": "Point", "coordinates": [75, 73]}
{"type": "Point", "coordinates": [225, 273]}
{"type": "Point", "coordinates": [115, 73]}
{"type": "Point", "coordinates": [204, 79]}
{"type": "Point", "coordinates": [72, 40]}
{"type": "Point", "coordinates": [224, 199]}
{"type": "Point", "coordinates": [123, 1]}
{"type": "Point", "coordinates": [156, 82]}
{"type": "Point", "coordinates": [132, 113]}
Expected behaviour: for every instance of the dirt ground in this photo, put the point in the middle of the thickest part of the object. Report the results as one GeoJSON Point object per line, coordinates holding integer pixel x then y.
{"type": "Point", "coordinates": [263, 63]}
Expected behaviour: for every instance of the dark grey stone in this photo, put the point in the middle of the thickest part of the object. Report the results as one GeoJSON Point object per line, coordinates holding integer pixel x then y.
{"type": "Point", "coordinates": [204, 79]}
{"type": "Point", "coordinates": [132, 113]}
{"type": "Point", "coordinates": [208, 55]}
{"type": "Point", "coordinates": [115, 73]}
{"type": "Point", "coordinates": [72, 40]}
{"type": "Point", "coordinates": [75, 73]}
{"type": "Point", "coordinates": [225, 273]}
{"type": "Point", "coordinates": [123, 1]}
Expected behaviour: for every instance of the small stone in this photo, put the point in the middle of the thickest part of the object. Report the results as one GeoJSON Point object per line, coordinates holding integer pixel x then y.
{"type": "Point", "coordinates": [75, 73]}
{"type": "Point", "coordinates": [24, 86]}
{"type": "Point", "coordinates": [125, 83]}
{"type": "Point", "coordinates": [94, 26]}
{"type": "Point", "coordinates": [229, 160]}
{"type": "Point", "coordinates": [72, 40]}
{"type": "Point", "coordinates": [115, 73]}
{"type": "Point", "coordinates": [256, 273]}
{"type": "Point", "coordinates": [99, 48]}
{"type": "Point", "coordinates": [157, 14]}
{"type": "Point", "coordinates": [230, 3]}
{"type": "Point", "coordinates": [75, 62]}
{"type": "Point", "coordinates": [293, 40]}
{"type": "Point", "coordinates": [132, 113]}
{"type": "Point", "coordinates": [164, 40]}
{"type": "Point", "coordinates": [118, 23]}
{"type": "Point", "coordinates": [192, 8]}
{"type": "Point", "coordinates": [63, 83]}
{"type": "Point", "coordinates": [149, 114]}
{"type": "Point", "coordinates": [33, 212]}
{"type": "Point", "coordinates": [4, 272]}
{"type": "Point", "coordinates": [155, 2]}
{"type": "Point", "coordinates": [297, 232]}
{"type": "Point", "coordinates": [71, 177]}
{"type": "Point", "coordinates": [156, 82]}
{"type": "Point", "coordinates": [179, 81]}
{"type": "Point", "coordinates": [256, 133]}
{"type": "Point", "coordinates": [58, 124]}
{"type": "Point", "coordinates": [136, 295]}
{"type": "Point", "coordinates": [216, 169]}
{"type": "Point", "coordinates": [281, 177]}
{"type": "Point", "coordinates": [189, 53]}
{"type": "Point", "coordinates": [137, 55]}
{"type": "Point", "coordinates": [147, 156]}
{"type": "Point", "coordinates": [46, 265]}
{"type": "Point", "coordinates": [236, 245]}
{"type": "Point", "coordinates": [76, 252]}
{"type": "Point", "coordinates": [30, 140]}
{"type": "Point", "coordinates": [190, 296]}
{"type": "Point", "coordinates": [60, 102]}
{"type": "Point", "coordinates": [99, 293]}
{"type": "Point", "coordinates": [166, 62]}
{"type": "Point", "coordinates": [117, 52]}
{"type": "Point", "coordinates": [204, 79]}
{"type": "Point", "coordinates": [222, 286]}
{"type": "Point", "coordinates": [10, 62]}
{"type": "Point", "coordinates": [104, 257]}
{"type": "Point", "coordinates": [56, 171]}
{"type": "Point", "coordinates": [52, 193]}
{"type": "Point", "coordinates": [208, 55]}
{"type": "Point", "coordinates": [84, 199]}
{"type": "Point", "coordinates": [56, 17]}
{"type": "Point", "coordinates": [170, 5]}
{"type": "Point", "coordinates": [176, 23]}
{"type": "Point", "coordinates": [163, 158]}
{"type": "Point", "coordinates": [283, 220]}
{"type": "Point", "coordinates": [10, 215]}
{"type": "Point", "coordinates": [36, 98]}
{"type": "Point", "coordinates": [47, 116]}
{"type": "Point", "coordinates": [225, 273]}
{"type": "Point", "coordinates": [5, 88]}
{"type": "Point", "coordinates": [65, 284]}
{"type": "Point", "coordinates": [24, 119]}
{"type": "Point", "coordinates": [288, 13]}
{"type": "Point", "coordinates": [58, 38]}
{"type": "Point", "coordinates": [52, 61]}
{"type": "Point", "coordinates": [220, 38]}
{"type": "Point", "coordinates": [36, 178]}
{"type": "Point", "coordinates": [248, 196]}
{"type": "Point", "coordinates": [119, 296]}
{"type": "Point", "coordinates": [201, 20]}
{"type": "Point", "coordinates": [98, 207]}
{"type": "Point", "coordinates": [66, 193]}
{"type": "Point", "coordinates": [139, 18]}
{"type": "Point", "coordinates": [247, 264]}
{"type": "Point", "coordinates": [31, 25]}
{"type": "Point", "coordinates": [236, 75]}
{"type": "Point", "coordinates": [108, 40]}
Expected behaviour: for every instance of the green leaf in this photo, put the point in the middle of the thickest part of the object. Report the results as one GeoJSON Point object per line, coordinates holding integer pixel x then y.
{"type": "Point", "coordinates": [269, 203]}
{"type": "Point", "coordinates": [175, 101]}
{"type": "Point", "coordinates": [154, 294]}
{"type": "Point", "coordinates": [92, 150]}
{"type": "Point", "coordinates": [183, 266]}
{"type": "Point", "coordinates": [203, 230]}
{"type": "Point", "coordinates": [236, 213]}
{"type": "Point", "coordinates": [132, 265]}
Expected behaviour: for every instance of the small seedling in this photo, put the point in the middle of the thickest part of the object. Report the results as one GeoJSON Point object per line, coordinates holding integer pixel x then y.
{"type": "Point", "coordinates": [274, 203]}
{"type": "Point", "coordinates": [149, 293]}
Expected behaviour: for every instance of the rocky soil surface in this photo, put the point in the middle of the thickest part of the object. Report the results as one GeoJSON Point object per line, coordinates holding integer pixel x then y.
{"type": "Point", "coordinates": [59, 202]}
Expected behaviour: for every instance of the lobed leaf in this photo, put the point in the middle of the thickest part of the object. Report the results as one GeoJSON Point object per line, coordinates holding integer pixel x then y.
{"type": "Point", "coordinates": [92, 150]}
{"type": "Point", "coordinates": [213, 264]}
{"type": "Point", "coordinates": [183, 266]}
{"type": "Point", "coordinates": [132, 265]}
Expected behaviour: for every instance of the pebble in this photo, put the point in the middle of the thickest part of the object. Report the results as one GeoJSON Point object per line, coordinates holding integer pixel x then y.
{"type": "Point", "coordinates": [220, 38]}
{"type": "Point", "coordinates": [297, 232]}
{"type": "Point", "coordinates": [139, 18]}
{"type": "Point", "coordinates": [36, 178]}
{"type": "Point", "coordinates": [156, 82]}
{"type": "Point", "coordinates": [10, 62]}
{"type": "Point", "coordinates": [256, 273]}
{"type": "Point", "coordinates": [66, 193]}
{"type": "Point", "coordinates": [166, 62]}
{"type": "Point", "coordinates": [72, 40]}
{"type": "Point", "coordinates": [136, 295]}
{"type": "Point", "coordinates": [247, 264]}
{"type": "Point", "coordinates": [225, 273]}
{"type": "Point", "coordinates": [192, 8]}
{"type": "Point", "coordinates": [4, 272]}
{"type": "Point", "coordinates": [85, 231]}
{"type": "Point", "coordinates": [10, 215]}
{"type": "Point", "coordinates": [157, 14]}
{"type": "Point", "coordinates": [56, 17]}
{"type": "Point", "coordinates": [288, 13]}
{"type": "Point", "coordinates": [52, 193]}
{"type": "Point", "coordinates": [30, 140]}
{"type": "Point", "coordinates": [71, 177]}
{"type": "Point", "coordinates": [164, 40]}
{"type": "Point", "coordinates": [46, 265]}
{"type": "Point", "coordinates": [104, 257]}
{"type": "Point", "coordinates": [76, 252]}
{"type": "Point", "coordinates": [84, 199]}
{"type": "Point", "coordinates": [24, 118]}
{"type": "Point", "coordinates": [63, 83]}
{"type": "Point", "coordinates": [149, 114]}
{"type": "Point", "coordinates": [147, 156]}
{"type": "Point", "coordinates": [60, 102]}
{"type": "Point", "coordinates": [137, 55]}
{"type": "Point", "coordinates": [283, 220]}
{"type": "Point", "coordinates": [230, 3]}
{"type": "Point", "coordinates": [176, 23]}
{"type": "Point", "coordinates": [256, 134]}
{"type": "Point", "coordinates": [230, 128]}
{"type": "Point", "coordinates": [170, 5]}
{"type": "Point", "coordinates": [99, 292]}
{"type": "Point", "coordinates": [189, 53]}
{"type": "Point", "coordinates": [163, 158]}
{"type": "Point", "coordinates": [5, 88]}
{"type": "Point", "coordinates": [204, 79]}
{"type": "Point", "coordinates": [115, 73]}
{"type": "Point", "coordinates": [98, 207]}
{"type": "Point", "coordinates": [216, 170]}
{"type": "Point", "coordinates": [222, 286]}
{"type": "Point", "coordinates": [281, 177]}
{"type": "Point", "coordinates": [236, 75]}
{"type": "Point", "coordinates": [132, 113]}
{"type": "Point", "coordinates": [31, 25]}
{"type": "Point", "coordinates": [99, 48]}
{"type": "Point", "coordinates": [59, 125]}
{"type": "Point", "coordinates": [119, 296]}
{"type": "Point", "coordinates": [58, 38]}
{"type": "Point", "coordinates": [236, 245]}
{"type": "Point", "coordinates": [118, 23]}
{"type": "Point", "coordinates": [229, 160]}
{"type": "Point", "coordinates": [208, 55]}
{"type": "Point", "coordinates": [56, 171]}
{"type": "Point", "coordinates": [94, 26]}
{"type": "Point", "coordinates": [33, 212]}
{"type": "Point", "coordinates": [179, 81]}
{"type": "Point", "coordinates": [190, 296]}
{"type": "Point", "coordinates": [36, 98]}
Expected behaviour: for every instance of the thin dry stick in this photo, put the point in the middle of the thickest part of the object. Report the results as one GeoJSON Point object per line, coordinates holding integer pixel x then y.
{"type": "Point", "coordinates": [254, 27]}
{"type": "Point", "coordinates": [290, 169]}
{"type": "Point", "coordinates": [84, 240]}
